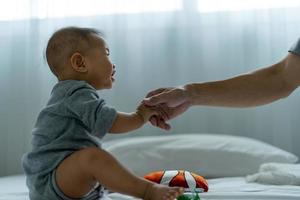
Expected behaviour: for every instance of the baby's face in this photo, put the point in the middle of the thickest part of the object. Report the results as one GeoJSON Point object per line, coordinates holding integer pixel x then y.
{"type": "Point", "coordinates": [101, 70]}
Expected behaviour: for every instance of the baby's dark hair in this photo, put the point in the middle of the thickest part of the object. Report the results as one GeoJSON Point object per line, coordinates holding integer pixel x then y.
{"type": "Point", "coordinates": [66, 41]}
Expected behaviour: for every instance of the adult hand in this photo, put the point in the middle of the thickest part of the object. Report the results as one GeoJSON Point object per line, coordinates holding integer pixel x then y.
{"type": "Point", "coordinates": [173, 101]}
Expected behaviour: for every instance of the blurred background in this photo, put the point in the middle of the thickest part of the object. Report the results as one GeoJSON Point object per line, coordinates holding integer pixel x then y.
{"type": "Point", "coordinates": [154, 43]}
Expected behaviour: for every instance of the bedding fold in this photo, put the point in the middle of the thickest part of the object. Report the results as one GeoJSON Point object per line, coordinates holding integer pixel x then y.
{"type": "Point", "coordinates": [277, 174]}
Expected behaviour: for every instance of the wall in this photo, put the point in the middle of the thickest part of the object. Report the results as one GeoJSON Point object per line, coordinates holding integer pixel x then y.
{"type": "Point", "coordinates": [151, 51]}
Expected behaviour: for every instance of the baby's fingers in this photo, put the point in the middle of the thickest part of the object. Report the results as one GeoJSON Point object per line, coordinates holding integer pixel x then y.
{"type": "Point", "coordinates": [153, 120]}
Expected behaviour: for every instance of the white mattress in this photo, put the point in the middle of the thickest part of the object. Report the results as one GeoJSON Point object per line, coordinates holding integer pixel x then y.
{"type": "Point", "coordinates": [14, 188]}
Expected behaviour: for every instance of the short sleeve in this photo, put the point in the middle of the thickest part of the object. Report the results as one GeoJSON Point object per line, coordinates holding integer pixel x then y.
{"type": "Point", "coordinates": [295, 49]}
{"type": "Point", "coordinates": [84, 104]}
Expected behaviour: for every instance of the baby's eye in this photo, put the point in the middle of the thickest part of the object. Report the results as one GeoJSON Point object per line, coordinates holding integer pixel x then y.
{"type": "Point", "coordinates": [107, 52]}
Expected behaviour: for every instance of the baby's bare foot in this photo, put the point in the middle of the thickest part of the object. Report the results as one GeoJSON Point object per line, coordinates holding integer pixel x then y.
{"type": "Point", "coordinates": [162, 192]}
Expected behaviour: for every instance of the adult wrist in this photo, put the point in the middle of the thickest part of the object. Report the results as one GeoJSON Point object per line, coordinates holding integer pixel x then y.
{"type": "Point", "coordinates": [188, 91]}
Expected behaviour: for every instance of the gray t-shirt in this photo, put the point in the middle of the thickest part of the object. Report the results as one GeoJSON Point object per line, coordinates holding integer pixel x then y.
{"type": "Point", "coordinates": [74, 118]}
{"type": "Point", "coordinates": [296, 48]}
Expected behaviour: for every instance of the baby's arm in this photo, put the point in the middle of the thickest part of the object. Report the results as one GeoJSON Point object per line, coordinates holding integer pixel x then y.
{"type": "Point", "coordinates": [126, 122]}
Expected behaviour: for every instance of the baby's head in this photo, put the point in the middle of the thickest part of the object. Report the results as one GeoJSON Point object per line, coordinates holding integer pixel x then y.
{"type": "Point", "coordinates": [80, 54]}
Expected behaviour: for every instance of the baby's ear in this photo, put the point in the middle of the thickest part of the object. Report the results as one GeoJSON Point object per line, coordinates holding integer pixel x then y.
{"type": "Point", "coordinates": [77, 62]}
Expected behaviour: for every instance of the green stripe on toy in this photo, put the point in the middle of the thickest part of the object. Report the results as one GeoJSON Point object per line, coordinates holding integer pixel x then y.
{"type": "Point", "coordinates": [193, 196]}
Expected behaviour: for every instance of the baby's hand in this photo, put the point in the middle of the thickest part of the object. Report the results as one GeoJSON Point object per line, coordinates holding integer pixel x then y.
{"type": "Point", "coordinates": [146, 112]}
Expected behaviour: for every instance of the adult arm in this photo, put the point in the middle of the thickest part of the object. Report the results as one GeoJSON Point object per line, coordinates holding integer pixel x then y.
{"type": "Point", "coordinates": [256, 88]}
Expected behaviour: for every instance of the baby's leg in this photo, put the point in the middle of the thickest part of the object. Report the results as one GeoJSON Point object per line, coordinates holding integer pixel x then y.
{"type": "Point", "coordinates": [78, 174]}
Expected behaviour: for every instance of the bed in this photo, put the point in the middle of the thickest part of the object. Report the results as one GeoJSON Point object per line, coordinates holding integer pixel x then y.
{"type": "Point", "coordinates": [230, 188]}
{"type": "Point", "coordinates": [232, 166]}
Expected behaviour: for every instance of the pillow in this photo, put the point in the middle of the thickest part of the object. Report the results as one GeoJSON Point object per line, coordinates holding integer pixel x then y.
{"type": "Point", "coordinates": [210, 155]}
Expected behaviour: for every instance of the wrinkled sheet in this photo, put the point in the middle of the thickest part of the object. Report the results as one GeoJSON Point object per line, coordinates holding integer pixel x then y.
{"type": "Point", "coordinates": [277, 174]}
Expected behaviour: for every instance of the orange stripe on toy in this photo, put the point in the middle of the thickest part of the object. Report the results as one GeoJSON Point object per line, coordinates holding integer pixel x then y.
{"type": "Point", "coordinates": [155, 176]}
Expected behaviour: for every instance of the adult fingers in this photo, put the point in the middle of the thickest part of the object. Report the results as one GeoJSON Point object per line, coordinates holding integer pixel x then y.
{"type": "Point", "coordinates": [163, 125]}
{"type": "Point", "coordinates": [164, 112]}
{"type": "Point", "coordinates": [156, 99]}
{"type": "Point", "coordinates": [154, 92]}
{"type": "Point", "coordinates": [160, 123]}
{"type": "Point", "coordinates": [156, 96]}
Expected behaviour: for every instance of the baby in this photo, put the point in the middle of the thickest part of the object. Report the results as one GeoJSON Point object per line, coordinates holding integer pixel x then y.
{"type": "Point", "coordinates": [66, 161]}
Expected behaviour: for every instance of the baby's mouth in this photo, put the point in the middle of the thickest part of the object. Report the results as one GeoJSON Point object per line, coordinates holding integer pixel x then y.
{"type": "Point", "coordinates": [112, 75]}
{"type": "Point", "coordinates": [113, 72]}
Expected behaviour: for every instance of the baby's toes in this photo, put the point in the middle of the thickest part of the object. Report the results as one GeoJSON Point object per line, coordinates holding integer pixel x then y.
{"type": "Point", "coordinates": [178, 191]}
{"type": "Point", "coordinates": [169, 196]}
{"type": "Point", "coordinates": [172, 194]}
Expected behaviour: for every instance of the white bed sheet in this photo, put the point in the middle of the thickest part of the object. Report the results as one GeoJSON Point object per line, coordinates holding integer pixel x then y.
{"type": "Point", "coordinates": [14, 188]}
